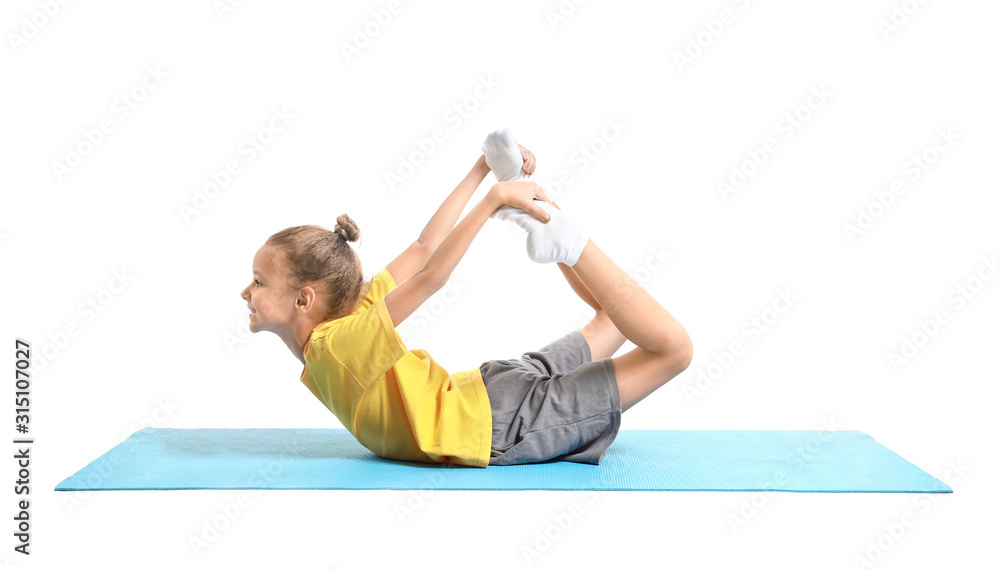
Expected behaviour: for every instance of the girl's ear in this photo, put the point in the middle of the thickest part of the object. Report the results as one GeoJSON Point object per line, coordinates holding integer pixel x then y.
{"type": "Point", "coordinates": [305, 299]}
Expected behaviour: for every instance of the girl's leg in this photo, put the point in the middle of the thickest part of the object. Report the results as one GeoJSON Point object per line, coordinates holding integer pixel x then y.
{"type": "Point", "coordinates": [664, 349]}
{"type": "Point", "coordinates": [578, 287]}
{"type": "Point", "coordinates": [663, 346]}
{"type": "Point", "coordinates": [603, 337]}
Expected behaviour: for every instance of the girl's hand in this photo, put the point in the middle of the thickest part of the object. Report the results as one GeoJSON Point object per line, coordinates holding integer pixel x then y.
{"type": "Point", "coordinates": [529, 160]}
{"type": "Point", "coordinates": [520, 194]}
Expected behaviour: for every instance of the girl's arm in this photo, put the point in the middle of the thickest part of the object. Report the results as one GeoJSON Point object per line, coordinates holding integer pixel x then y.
{"type": "Point", "coordinates": [416, 255]}
{"type": "Point", "coordinates": [402, 301]}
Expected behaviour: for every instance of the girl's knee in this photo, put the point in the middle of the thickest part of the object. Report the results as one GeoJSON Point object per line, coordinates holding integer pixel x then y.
{"type": "Point", "coordinates": [682, 353]}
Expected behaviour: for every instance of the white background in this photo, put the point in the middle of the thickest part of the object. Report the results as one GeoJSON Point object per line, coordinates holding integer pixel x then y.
{"type": "Point", "coordinates": [169, 348]}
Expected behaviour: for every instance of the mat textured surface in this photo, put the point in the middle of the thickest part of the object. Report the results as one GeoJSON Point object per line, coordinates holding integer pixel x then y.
{"type": "Point", "coordinates": [638, 460]}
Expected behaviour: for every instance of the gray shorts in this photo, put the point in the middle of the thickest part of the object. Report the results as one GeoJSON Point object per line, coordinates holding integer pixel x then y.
{"type": "Point", "coordinates": [553, 404]}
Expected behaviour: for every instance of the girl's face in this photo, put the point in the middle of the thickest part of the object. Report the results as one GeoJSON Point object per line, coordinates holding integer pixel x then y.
{"type": "Point", "coordinates": [270, 299]}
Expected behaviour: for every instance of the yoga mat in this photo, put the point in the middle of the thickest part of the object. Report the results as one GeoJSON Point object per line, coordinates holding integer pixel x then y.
{"type": "Point", "coordinates": [638, 460]}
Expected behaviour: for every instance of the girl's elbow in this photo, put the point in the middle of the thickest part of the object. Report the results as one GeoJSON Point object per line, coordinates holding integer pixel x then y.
{"type": "Point", "coordinates": [432, 280]}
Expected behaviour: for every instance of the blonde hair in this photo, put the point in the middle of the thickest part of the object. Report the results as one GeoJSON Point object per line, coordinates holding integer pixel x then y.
{"type": "Point", "coordinates": [322, 259]}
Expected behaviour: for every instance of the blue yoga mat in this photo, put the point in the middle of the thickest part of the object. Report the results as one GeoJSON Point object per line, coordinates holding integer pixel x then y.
{"type": "Point", "coordinates": [638, 460]}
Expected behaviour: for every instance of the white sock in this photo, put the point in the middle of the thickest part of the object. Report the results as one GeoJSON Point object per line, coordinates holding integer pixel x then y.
{"type": "Point", "coordinates": [559, 239]}
{"type": "Point", "coordinates": [503, 156]}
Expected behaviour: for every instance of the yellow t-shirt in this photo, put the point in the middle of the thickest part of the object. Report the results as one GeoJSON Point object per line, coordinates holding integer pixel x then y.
{"type": "Point", "coordinates": [398, 403]}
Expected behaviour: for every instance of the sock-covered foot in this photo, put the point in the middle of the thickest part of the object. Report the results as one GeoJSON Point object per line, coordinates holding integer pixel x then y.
{"type": "Point", "coordinates": [503, 156]}
{"type": "Point", "coordinates": [559, 239]}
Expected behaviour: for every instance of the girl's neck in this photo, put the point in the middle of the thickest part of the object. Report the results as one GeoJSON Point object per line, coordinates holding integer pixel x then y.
{"type": "Point", "coordinates": [296, 338]}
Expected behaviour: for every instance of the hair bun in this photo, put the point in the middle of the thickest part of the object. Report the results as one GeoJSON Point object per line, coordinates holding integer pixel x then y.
{"type": "Point", "coordinates": [347, 228]}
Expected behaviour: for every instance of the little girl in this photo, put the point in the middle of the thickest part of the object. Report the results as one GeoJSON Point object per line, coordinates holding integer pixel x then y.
{"type": "Point", "coordinates": [562, 402]}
